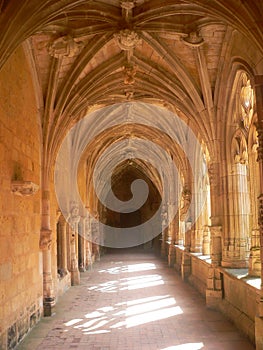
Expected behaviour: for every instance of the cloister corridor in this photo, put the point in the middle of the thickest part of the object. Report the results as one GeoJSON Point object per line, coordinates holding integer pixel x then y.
{"type": "Point", "coordinates": [133, 300]}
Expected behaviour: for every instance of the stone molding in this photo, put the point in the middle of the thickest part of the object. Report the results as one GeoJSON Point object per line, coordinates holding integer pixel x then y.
{"type": "Point", "coordinates": [45, 239]}
{"type": "Point", "coordinates": [24, 188]}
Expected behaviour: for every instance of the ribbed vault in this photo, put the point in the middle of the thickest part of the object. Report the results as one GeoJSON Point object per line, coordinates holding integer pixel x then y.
{"type": "Point", "coordinates": [90, 54]}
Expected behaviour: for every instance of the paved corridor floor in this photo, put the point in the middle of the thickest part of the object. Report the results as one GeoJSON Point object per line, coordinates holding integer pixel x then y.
{"type": "Point", "coordinates": [133, 301]}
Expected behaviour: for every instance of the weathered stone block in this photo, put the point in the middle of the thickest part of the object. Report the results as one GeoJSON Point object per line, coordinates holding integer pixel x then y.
{"type": "Point", "coordinates": [12, 337]}
{"type": "Point", "coordinates": [22, 328]}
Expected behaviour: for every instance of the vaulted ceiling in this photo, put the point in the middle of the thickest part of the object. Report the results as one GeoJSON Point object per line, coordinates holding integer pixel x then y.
{"type": "Point", "coordinates": [93, 53]}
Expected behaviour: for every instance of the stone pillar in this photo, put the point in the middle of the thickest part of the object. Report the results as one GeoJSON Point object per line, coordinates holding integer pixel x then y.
{"type": "Point", "coordinates": [181, 236]}
{"type": "Point", "coordinates": [88, 242]}
{"type": "Point", "coordinates": [186, 256]}
{"type": "Point", "coordinates": [173, 231]}
{"type": "Point", "coordinates": [206, 240]}
{"type": "Point", "coordinates": [197, 228]}
{"type": "Point", "coordinates": [214, 292]}
{"type": "Point", "coordinates": [74, 221]}
{"type": "Point", "coordinates": [82, 246]}
{"type": "Point", "coordinates": [254, 256]}
{"type": "Point", "coordinates": [186, 265]}
{"type": "Point", "coordinates": [64, 250]}
{"type": "Point", "coordinates": [236, 243]}
{"type": "Point", "coordinates": [216, 245]}
{"type": "Point", "coordinates": [184, 227]}
{"type": "Point", "coordinates": [95, 237]}
{"type": "Point", "coordinates": [45, 246]}
{"type": "Point", "coordinates": [196, 238]}
{"type": "Point", "coordinates": [187, 236]}
{"type": "Point", "coordinates": [164, 230]}
{"type": "Point", "coordinates": [259, 108]}
{"type": "Point", "coordinates": [75, 275]}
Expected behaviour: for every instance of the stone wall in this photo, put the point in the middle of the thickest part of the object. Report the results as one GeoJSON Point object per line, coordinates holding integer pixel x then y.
{"type": "Point", "coordinates": [199, 274]}
{"type": "Point", "coordinates": [20, 258]}
{"type": "Point", "coordinates": [238, 301]}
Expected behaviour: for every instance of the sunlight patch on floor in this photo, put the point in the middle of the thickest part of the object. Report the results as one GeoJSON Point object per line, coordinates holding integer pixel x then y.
{"type": "Point", "coordinates": [127, 314]}
{"type": "Point", "coordinates": [129, 268]}
{"type": "Point", "coordinates": [139, 282]}
{"type": "Point", "coordinates": [188, 346]}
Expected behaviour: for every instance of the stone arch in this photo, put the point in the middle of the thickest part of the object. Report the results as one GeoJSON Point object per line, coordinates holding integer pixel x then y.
{"type": "Point", "coordinates": [236, 241]}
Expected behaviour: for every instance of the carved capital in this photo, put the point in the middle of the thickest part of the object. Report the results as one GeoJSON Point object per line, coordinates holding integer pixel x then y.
{"type": "Point", "coordinates": [239, 148]}
{"type": "Point", "coordinates": [45, 239]}
{"type": "Point", "coordinates": [216, 231]}
{"type": "Point", "coordinates": [24, 188]}
{"type": "Point", "coordinates": [127, 39]}
{"type": "Point", "coordinates": [64, 46]}
{"type": "Point", "coordinates": [62, 220]}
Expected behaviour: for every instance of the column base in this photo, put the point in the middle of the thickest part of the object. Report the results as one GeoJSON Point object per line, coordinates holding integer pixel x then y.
{"type": "Point", "coordinates": [171, 256]}
{"type": "Point", "coordinates": [82, 268]}
{"type": "Point", "coordinates": [48, 306]}
{"type": "Point", "coordinates": [75, 278]}
{"type": "Point", "coordinates": [186, 266]}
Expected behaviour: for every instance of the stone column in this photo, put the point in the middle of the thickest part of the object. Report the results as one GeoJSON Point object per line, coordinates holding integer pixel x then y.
{"type": "Point", "coordinates": [164, 230]}
{"type": "Point", "coordinates": [181, 236]}
{"type": "Point", "coordinates": [74, 221]}
{"type": "Point", "coordinates": [64, 250]}
{"type": "Point", "coordinates": [254, 257]}
{"type": "Point", "coordinates": [183, 226]}
{"type": "Point", "coordinates": [45, 246]}
{"type": "Point", "coordinates": [82, 245]}
{"type": "Point", "coordinates": [214, 291]}
{"type": "Point", "coordinates": [95, 236]}
{"type": "Point", "coordinates": [236, 242]}
{"type": "Point", "coordinates": [173, 233]}
{"type": "Point", "coordinates": [206, 240]}
{"type": "Point", "coordinates": [186, 256]}
{"type": "Point", "coordinates": [88, 242]}
{"type": "Point", "coordinates": [259, 108]}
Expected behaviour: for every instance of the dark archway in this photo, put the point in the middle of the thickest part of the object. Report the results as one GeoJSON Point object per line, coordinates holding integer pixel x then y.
{"type": "Point", "coordinates": [123, 177]}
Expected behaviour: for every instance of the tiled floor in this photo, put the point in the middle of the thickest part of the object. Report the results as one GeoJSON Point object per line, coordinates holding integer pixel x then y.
{"type": "Point", "coordinates": [133, 301]}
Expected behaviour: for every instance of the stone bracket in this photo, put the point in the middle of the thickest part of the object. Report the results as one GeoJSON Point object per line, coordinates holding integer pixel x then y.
{"type": "Point", "coordinates": [23, 188]}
